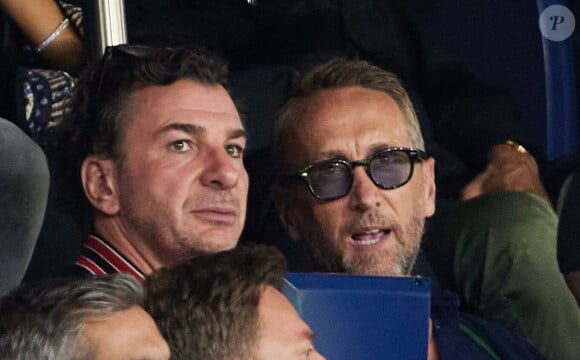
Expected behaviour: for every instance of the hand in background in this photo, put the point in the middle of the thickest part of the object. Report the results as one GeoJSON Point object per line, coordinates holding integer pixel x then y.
{"type": "Point", "coordinates": [510, 168]}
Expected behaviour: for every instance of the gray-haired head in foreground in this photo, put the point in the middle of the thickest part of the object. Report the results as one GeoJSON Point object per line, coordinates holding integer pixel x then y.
{"type": "Point", "coordinates": [45, 320]}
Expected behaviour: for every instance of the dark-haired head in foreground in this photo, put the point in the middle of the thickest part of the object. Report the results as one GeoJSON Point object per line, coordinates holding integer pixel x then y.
{"type": "Point", "coordinates": [228, 306]}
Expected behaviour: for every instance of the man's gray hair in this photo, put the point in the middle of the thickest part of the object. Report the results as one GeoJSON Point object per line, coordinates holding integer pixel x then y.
{"type": "Point", "coordinates": [338, 73]}
{"type": "Point", "coordinates": [45, 320]}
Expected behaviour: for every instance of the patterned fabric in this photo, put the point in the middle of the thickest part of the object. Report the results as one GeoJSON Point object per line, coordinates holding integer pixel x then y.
{"type": "Point", "coordinates": [99, 258]}
{"type": "Point", "coordinates": [46, 95]}
{"type": "Point", "coordinates": [75, 14]}
{"type": "Point", "coordinates": [43, 94]}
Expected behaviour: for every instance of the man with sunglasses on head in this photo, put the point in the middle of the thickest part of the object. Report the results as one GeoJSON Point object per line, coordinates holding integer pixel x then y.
{"type": "Point", "coordinates": [151, 160]}
{"type": "Point", "coordinates": [356, 184]}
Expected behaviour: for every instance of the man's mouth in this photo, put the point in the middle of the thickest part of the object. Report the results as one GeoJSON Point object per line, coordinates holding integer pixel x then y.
{"type": "Point", "coordinates": [370, 237]}
{"type": "Point", "coordinates": [217, 215]}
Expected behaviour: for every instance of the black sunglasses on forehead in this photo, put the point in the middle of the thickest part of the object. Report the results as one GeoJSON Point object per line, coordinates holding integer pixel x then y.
{"type": "Point", "coordinates": [388, 168]}
{"type": "Point", "coordinates": [115, 55]}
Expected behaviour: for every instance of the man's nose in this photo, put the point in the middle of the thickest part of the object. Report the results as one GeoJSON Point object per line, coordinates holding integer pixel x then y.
{"type": "Point", "coordinates": [222, 171]}
{"type": "Point", "coordinates": [364, 193]}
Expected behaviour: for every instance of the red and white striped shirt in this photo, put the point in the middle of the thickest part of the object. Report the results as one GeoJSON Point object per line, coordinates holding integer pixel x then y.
{"type": "Point", "coordinates": [99, 258]}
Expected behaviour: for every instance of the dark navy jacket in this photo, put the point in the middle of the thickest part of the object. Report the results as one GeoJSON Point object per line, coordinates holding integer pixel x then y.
{"type": "Point", "coordinates": [463, 336]}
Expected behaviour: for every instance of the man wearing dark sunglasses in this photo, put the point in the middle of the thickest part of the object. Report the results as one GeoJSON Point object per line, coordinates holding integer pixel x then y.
{"type": "Point", "coordinates": [356, 184]}
{"type": "Point", "coordinates": [347, 217]}
{"type": "Point", "coordinates": [153, 152]}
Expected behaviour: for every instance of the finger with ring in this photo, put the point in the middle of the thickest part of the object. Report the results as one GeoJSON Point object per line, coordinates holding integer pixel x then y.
{"type": "Point", "coordinates": [518, 147]}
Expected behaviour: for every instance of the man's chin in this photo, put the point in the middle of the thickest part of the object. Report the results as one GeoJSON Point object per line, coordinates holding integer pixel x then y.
{"type": "Point", "coordinates": [209, 243]}
{"type": "Point", "coordinates": [226, 235]}
{"type": "Point", "coordinates": [219, 244]}
{"type": "Point", "coordinates": [374, 264]}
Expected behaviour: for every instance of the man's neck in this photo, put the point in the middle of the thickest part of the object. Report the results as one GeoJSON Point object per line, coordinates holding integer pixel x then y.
{"type": "Point", "coordinates": [115, 235]}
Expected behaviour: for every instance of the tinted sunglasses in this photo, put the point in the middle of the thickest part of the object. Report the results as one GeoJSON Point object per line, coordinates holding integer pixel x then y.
{"type": "Point", "coordinates": [332, 179]}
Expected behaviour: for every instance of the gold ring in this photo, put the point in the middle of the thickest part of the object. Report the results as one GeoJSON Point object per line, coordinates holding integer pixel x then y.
{"type": "Point", "coordinates": [518, 147]}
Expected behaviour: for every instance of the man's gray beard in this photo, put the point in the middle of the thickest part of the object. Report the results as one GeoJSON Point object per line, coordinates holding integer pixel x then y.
{"type": "Point", "coordinates": [373, 263]}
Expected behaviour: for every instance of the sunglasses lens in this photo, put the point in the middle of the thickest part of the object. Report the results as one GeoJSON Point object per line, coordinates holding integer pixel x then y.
{"type": "Point", "coordinates": [388, 169]}
{"type": "Point", "coordinates": [391, 169]}
{"type": "Point", "coordinates": [330, 180]}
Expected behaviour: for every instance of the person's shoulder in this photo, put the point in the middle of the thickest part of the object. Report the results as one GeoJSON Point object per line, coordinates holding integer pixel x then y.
{"type": "Point", "coordinates": [505, 343]}
{"type": "Point", "coordinates": [467, 336]}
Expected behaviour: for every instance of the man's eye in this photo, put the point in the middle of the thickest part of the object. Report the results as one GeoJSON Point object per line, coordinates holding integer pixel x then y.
{"type": "Point", "coordinates": [333, 168]}
{"type": "Point", "coordinates": [329, 169]}
{"type": "Point", "coordinates": [235, 151]}
{"type": "Point", "coordinates": [180, 146]}
{"type": "Point", "coordinates": [308, 353]}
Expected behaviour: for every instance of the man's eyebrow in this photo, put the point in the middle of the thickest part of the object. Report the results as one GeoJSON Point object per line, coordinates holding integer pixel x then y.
{"type": "Point", "coordinates": [238, 133]}
{"type": "Point", "coordinates": [381, 146]}
{"type": "Point", "coordinates": [187, 128]}
{"type": "Point", "coordinates": [332, 154]}
{"type": "Point", "coordinates": [199, 130]}
{"type": "Point", "coordinates": [336, 154]}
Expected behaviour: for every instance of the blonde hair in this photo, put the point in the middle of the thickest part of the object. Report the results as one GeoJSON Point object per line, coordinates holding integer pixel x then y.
{"type": "Point", "coordinates": [338, 73]}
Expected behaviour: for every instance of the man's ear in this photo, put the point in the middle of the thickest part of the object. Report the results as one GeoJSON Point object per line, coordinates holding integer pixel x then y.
{"type": "Point", "coordinates": [98, 176]}
{"type": "Point", "coordinates": [287, 210]}
{"type": "Point", "coordinates": [428, 169]}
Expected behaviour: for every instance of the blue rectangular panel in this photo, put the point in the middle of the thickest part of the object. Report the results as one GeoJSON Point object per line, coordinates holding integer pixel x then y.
{"type": "Point", "coordinates": [363, 317]}
{"type": "Point", "coordinates": [557, 24]}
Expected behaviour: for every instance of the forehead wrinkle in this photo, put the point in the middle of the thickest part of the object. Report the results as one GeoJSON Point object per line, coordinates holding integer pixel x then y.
{"type": "Point", "coordinates": [375, 147]}
{"type": "Point", "coordinates": [191, 129]}
{"type": "Point", "coordinates": [327, 110]}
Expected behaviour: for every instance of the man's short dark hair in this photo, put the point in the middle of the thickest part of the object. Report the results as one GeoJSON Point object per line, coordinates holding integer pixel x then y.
{"type": "Point", "coordinates": [207, 308]}
{"type": "Point", "coordinates": [97, 119]}
{"type": "Point", "coordinates": [45, 320]}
